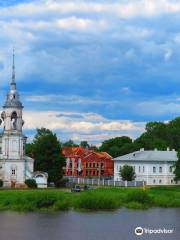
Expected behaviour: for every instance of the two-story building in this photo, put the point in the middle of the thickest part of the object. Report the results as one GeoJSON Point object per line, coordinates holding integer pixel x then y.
{"type": "Point", "coordinates": [154, 167]}
{"type": "Point", "coordinates": [83, 162]}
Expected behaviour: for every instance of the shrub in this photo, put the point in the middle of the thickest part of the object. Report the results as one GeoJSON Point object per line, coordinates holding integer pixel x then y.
{"type": "Point", "coordinates": [96, 202]}
{"type": "Point", "coordinates": [139, 196]}
{"type": "Point", "coordinates": [127, 173]}
{"type": "Point", "coordinates": [62, 205]}
{"type": "Point", "coordinates": [45, 202]}
{"type": "Point", "coordinates": [31, 183]}
{"type": "Point", "coordinates": [61, 182]}
{"type": "Point", "coordinates": [1, 182]}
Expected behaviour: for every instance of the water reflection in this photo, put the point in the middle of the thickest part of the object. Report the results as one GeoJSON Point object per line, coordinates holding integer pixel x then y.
{"type": "Point", "coordinates": [89, 226]}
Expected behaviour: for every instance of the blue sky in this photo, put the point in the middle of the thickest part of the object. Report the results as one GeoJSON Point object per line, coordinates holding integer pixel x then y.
{"type": "Point", "coordinates": [92, 69]}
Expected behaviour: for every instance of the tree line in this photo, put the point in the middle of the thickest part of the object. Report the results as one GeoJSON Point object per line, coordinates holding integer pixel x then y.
{"type": "Point", "coordinates": [46, 148]}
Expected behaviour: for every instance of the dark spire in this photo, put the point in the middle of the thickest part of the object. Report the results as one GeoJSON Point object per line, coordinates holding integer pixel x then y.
{"type": "Point", "coordinates": [13, 83]}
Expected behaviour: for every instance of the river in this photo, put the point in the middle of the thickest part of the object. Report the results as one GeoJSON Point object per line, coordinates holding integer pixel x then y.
{"type": "Point", "coordinates": [71, 225]}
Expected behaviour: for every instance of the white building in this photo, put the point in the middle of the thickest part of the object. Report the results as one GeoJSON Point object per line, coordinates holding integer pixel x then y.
{"type": "Point", "coordinates": [154, 167]}
{"type": "Point", "coordinates": [15, 167]}
{"type": "Point", "coordinates": [41, 179]}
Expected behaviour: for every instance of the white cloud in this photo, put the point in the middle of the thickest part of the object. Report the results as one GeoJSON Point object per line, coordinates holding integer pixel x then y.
{"type": "Point", "coordinates": [66, 99]}
{"type": "Point", "coordinates": [128, 9]}
{"type": "Point", "coordinates": [168, 54]}
{"type": "Point", "coordinates": [89, 126]}
{"type": "Point", "coordinates": [68, 23]}
{"type": "Point", "coordinates": [157, 108]}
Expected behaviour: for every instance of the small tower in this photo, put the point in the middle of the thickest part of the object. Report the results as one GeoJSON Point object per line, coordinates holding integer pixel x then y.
{"type": "Point", "coordinates": [17, 167]}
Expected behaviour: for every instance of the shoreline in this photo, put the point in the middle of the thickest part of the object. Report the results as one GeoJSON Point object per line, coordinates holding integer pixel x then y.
{"type": "Point", "coordinates": [100, 199]}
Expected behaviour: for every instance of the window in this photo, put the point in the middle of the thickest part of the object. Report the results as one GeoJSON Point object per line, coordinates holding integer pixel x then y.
{"type": "Point", "coordinates": [154, 181]}
{"type": "Point", "coordinates": [170, 169]}
{"type": "Point", "coordinates": [143, 168]}
{"type": "Point", "coordinates": [160, 181]}
{"type": "Point", "coordinates": [160, 169]}
{"type": "Point", "coordinates": [154, 169]}
{"type": "Point", "coordinates": [171, 180]}
{"type": "Point", "coordinates": [139, 169]}
{"type": "Point", "coordinates": [13, 172]}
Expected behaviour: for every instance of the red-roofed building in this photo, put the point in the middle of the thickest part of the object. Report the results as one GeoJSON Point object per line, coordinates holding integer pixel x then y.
{"type": "Point", "coordinates": [83, 162]}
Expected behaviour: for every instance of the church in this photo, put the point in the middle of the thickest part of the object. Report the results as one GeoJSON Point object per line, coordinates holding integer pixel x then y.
{"type": "Point", "coordinates": [15, 167]}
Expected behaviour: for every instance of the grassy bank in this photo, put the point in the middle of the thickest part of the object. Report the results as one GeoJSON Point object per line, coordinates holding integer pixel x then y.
{"type": "Point", "coordinates": [97, 199]}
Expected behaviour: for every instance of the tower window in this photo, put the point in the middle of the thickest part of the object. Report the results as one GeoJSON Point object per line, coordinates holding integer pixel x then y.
{"type": "Point", "coordinates": [13, 172]}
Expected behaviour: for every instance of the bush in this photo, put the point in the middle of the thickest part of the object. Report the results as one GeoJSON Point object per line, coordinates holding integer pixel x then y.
{"type": "Point", "coordinates": [96, 202]}
{"type": "Point", "coordinates": [1, 182]}
{"type": "Point", "coordinates": [45, 202]}
{"type": "Point", "coordinates": [62, 205]}
{"type": "Point", "coordinates": [31, 183]}
{"type": "Point", "coordinates": [127, 173]}
{"type": "Point", "coordinates": [139, 196]}
{"type": "Point", "coordinates": [61, 182]}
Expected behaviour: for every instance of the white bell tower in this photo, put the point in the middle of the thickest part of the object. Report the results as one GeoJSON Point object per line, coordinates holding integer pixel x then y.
{"type": "Point", "coordinates": [15, 166]}
{"type": "Point", "coordinates": [13, 140]}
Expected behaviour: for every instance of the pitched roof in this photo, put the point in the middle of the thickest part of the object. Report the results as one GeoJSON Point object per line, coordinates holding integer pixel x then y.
{"type": "Point", "coordinates": [149, 155]}
{"type": "Point", "coordinates": [84, 152]}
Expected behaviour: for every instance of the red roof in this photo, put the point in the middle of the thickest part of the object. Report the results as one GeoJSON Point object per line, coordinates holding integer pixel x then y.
{"type": "Point", "coordinates": [85, 153]}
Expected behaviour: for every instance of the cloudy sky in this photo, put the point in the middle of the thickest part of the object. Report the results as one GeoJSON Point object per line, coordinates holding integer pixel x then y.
{"type": "Point", "coordinates": [91, 70]}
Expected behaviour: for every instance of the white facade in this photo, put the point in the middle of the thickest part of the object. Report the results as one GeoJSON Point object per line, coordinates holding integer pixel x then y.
{"type": "Point", "coordinates": [15, 167]}
{"type": "Point", "coordinates": [41, 179]}
{"type": "Point", "coordinates": [153, 167]}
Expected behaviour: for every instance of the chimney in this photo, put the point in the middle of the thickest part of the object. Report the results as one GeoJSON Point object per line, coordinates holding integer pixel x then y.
{"type": "Point", "coordinates": [141, 149]}
{"type": "Point", "coordinates": [168, 149]}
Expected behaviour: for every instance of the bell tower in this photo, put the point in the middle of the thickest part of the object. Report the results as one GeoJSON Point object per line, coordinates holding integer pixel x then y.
{"type": "Point", "coordinates": [15, 166]}
{"type": "Point", "coordinates": [13, 140]}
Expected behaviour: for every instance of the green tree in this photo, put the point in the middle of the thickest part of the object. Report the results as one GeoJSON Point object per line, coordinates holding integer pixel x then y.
{"type": "Point", "coordinates": [46, 150]}
{"type": "Point", "coordinates": [69, 143]}
{"type": "Point", "coordinates": [84, 144]}
{"type": "Point", "coordinates": [177, 168]}
{"type": "Point", "coordinates": [117, 146]}
{"type": "Point", "coordinates": [127, 173]}
{"type": "Point", "coordinates": [29, 149]}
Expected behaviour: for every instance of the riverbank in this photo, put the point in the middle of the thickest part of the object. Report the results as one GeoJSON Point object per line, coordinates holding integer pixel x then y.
{"type": "Point", "coordinates": [97, 199]}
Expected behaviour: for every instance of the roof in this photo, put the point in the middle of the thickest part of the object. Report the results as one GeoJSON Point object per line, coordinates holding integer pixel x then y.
{"type": "Point", "coordinates": [149, 155]}
{"type": "Point", "coordinates": [85, 153]}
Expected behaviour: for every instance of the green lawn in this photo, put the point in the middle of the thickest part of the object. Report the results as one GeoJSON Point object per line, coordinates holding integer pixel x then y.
{"type": "Point", "coordinates": [97, 199]}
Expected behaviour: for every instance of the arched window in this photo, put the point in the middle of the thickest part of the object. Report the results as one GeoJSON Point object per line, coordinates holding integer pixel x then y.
{"type": "Point", "coordinates": [13, 120]}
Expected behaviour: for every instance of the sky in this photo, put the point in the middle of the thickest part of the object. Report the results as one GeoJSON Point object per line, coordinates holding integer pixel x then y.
{"type": "Point", "coordinates": [92, 70]}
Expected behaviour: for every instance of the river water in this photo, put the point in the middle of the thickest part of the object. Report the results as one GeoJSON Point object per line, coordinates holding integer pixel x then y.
{"type": "Point", "coordinates": [70, 225]}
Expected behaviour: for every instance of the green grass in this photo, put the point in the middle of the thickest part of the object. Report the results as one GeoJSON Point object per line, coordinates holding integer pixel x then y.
{"type": "Point", "coordinates": [97, 199]}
